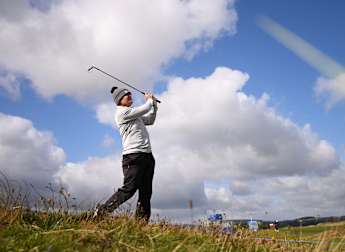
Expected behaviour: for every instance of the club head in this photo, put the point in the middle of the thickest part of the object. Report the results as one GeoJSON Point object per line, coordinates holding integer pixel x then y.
{"type": "Point", "coordinates": [90, 68]}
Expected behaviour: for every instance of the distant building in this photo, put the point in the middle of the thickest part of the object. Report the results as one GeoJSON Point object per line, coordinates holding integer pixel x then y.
{"type": "Point", "coordinates": [253, 225]}
{"type": "Point", "coordinates": [216, 217]}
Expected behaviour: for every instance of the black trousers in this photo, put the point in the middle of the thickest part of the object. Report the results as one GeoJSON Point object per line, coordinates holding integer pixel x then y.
{"type": "Point", "coordinates": [138, 170]}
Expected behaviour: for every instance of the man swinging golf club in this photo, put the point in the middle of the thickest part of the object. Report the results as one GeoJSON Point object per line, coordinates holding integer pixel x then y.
{"type": "Point", "coordinates": [137, 160]}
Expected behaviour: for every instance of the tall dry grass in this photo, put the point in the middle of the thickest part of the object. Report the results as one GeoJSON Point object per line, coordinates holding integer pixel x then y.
{"type": "Point", "coordinates": [54, 223]}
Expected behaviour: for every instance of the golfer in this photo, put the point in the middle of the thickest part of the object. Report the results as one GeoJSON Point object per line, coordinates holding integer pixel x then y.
{"type": "Point", "coordinates": [137, 160]}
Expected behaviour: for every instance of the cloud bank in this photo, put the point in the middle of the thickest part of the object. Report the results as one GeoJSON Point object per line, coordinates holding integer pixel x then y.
{"type": "Point", "coordinates": [208, 129]}
{"type": "Point", "coordinates": [257, 163]}
{"type": "Point", "coordinates": [27, 154]}
{"type": "Point", "coordinates": [55, 44]}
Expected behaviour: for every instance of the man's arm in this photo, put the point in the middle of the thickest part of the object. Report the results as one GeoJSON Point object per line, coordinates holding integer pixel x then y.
{"type": "Point", "coordinates": [150, 117]}
{"type": "Point", "coordinates": [133, 113]}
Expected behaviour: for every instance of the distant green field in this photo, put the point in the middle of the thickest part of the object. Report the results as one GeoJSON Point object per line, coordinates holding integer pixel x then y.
{"type": "Point", "coordinates": [330, 233]}
{"type": "Point", "coordinates": [308, 231]}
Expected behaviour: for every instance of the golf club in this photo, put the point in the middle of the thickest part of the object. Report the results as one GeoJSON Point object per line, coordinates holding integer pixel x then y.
{"type": "Point", "coordinates": [129, 85]}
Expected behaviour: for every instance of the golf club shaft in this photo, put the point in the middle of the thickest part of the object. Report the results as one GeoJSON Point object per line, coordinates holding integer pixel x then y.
{"type": "Point", "coordinates": [129, 85]}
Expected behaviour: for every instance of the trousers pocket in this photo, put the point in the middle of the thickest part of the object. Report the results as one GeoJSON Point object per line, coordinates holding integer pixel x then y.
{"type": "Point", "coordinates": [132, 159]}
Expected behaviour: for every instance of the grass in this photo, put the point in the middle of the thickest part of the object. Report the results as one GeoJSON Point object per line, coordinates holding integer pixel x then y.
{"type": "Point", "coordinates": [307, 233]}
{"type": "Point", "coordinates": [55, 224]}
{"type": "Point", "coordinates": [26, 230]}
{"type": "Point", "coordinates": [323, 237]}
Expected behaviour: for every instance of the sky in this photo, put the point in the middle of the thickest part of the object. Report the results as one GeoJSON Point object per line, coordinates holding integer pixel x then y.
{"type": "Point", "coordinates": [252, 114]}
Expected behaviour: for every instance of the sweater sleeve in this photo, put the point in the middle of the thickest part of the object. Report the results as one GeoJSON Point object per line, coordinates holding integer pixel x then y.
{"type": "Point", "coordinates": [150, 117]}
{"type": "Point", "coordinates": [133, 113]}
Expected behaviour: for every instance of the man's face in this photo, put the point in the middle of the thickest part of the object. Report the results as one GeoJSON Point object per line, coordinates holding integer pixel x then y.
{"type": "Point", "coordinates": [126, 100]}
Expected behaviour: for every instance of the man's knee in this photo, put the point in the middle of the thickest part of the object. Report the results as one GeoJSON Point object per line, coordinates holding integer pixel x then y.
{"type": "Point", "coordinates": [128, 190]}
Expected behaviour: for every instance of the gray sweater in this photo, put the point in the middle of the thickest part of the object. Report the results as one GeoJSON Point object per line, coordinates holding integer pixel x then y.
{"type": "Point", "coordinates": [131, 122]}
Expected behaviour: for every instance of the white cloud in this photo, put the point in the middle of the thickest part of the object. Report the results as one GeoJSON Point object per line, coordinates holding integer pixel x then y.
{"type": "Point", "coordinates": [11, 85]}
{"type": "Point", "coordinates": [27, 154]}
{"type": "Point", "coordinates": [92, 180]}
{"type": "Point", "coordinates": [212, 123]}
{"type": "Point", "coordinates": [108, 141]}
{"type": "Point", "coordinates": [240, 188]}
{"type": "Point", "coordinates": [128, 38]}
{"type": "Point", "coordinates": [105, 113]}
{"type": "Point", "coordinates": [332, 89]}
{"type": "Point", "coordinates": [220, 194]}
{"type": "Point", "coordinates": [13, 11]}
{"type": "Point", "coordinates": [31, 156]}
{"type": "Point", "coordinates": [301, 195]}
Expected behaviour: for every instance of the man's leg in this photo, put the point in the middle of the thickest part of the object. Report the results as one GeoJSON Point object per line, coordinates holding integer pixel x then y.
{"type": "Point", "coordinates": [132, 172]}
{"type": "Point", "coordinates": [145, 189]}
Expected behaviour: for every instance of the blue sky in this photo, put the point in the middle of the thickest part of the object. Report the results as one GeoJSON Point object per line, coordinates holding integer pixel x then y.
{"type": "Point", "coordinates": [47, 59]}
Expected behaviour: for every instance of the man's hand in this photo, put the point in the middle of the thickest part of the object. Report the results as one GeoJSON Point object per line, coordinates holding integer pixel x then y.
{"type": "Point", "coordinates": [148, 96]}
